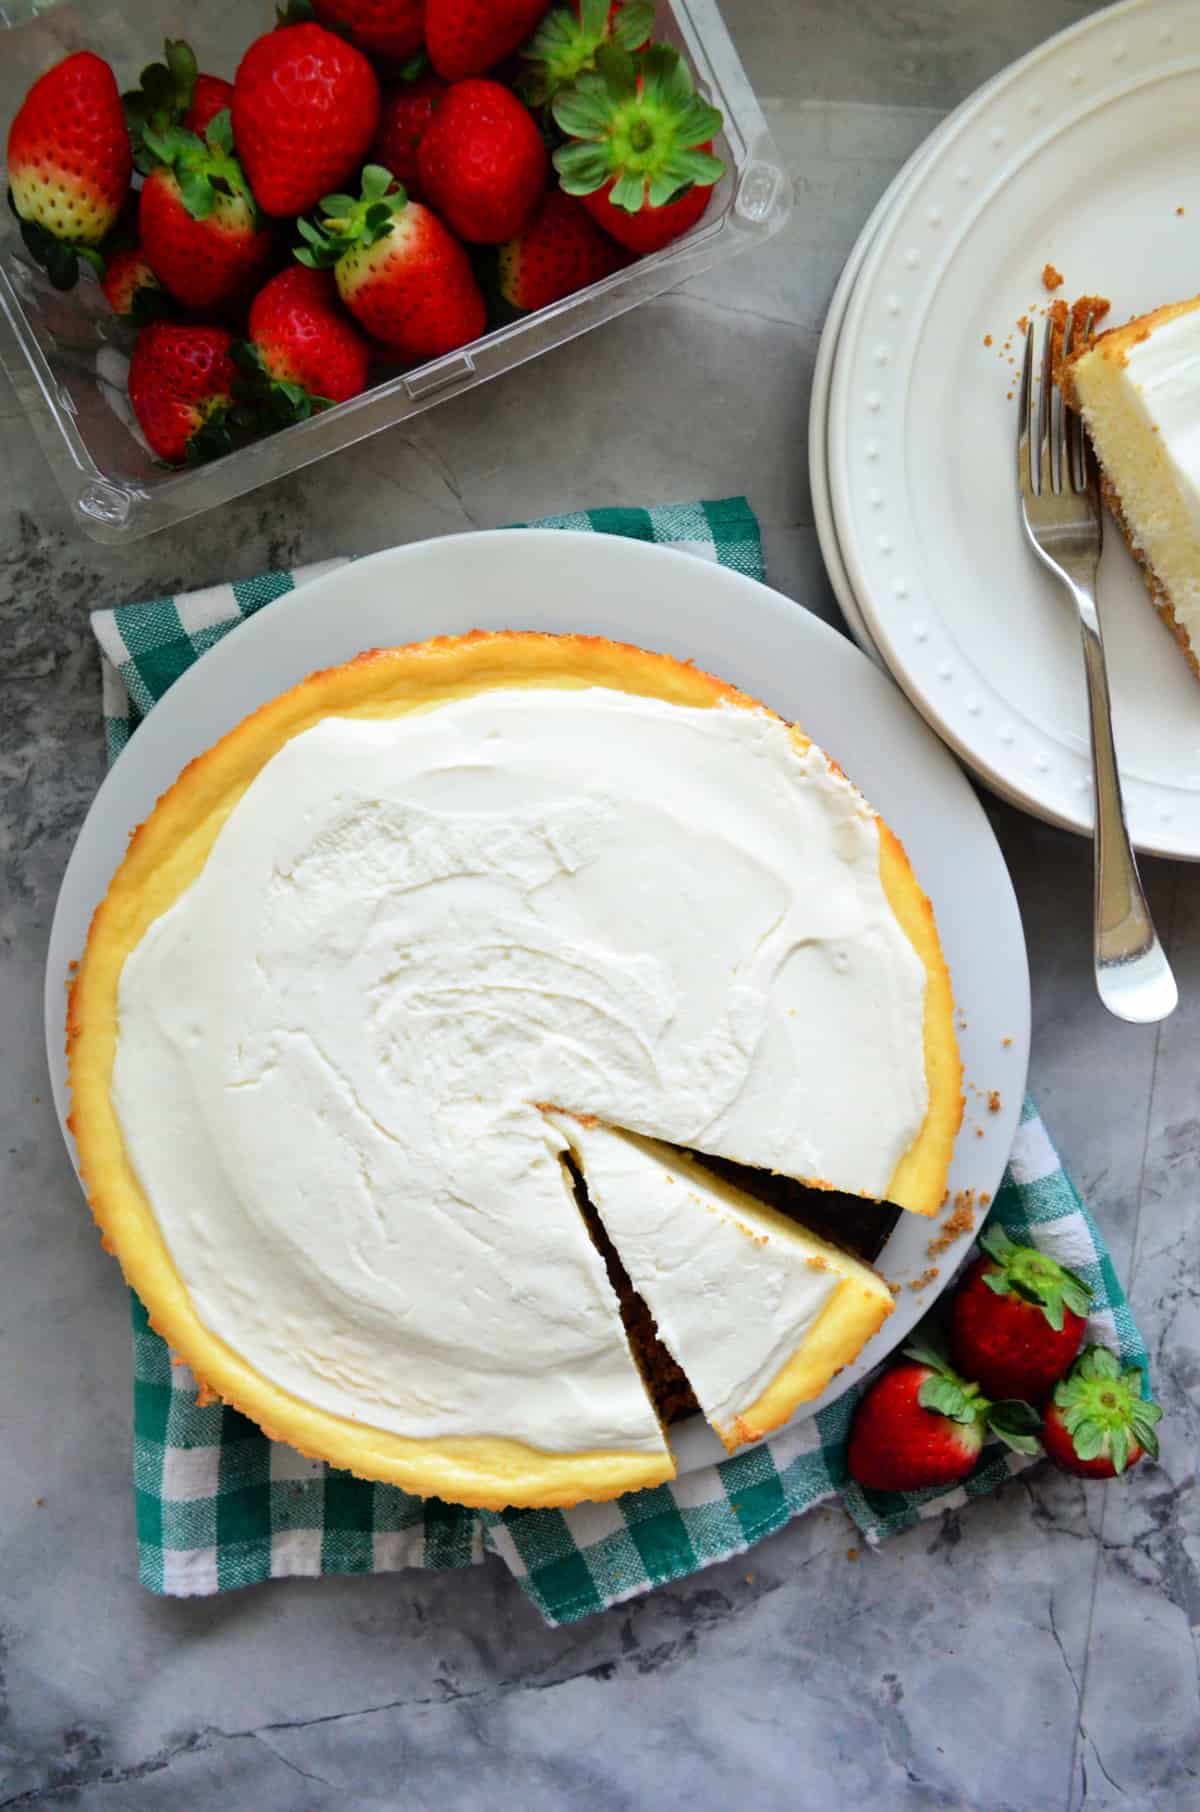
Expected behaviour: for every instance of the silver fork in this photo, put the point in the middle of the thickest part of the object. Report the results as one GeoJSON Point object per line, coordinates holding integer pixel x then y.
{"type": "Point", "coordinates": [1060, 508]}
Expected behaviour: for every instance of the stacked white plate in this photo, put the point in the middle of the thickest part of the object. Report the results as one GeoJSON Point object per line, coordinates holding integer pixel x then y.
{"type": "Point", "coordinates": [1085, 155]}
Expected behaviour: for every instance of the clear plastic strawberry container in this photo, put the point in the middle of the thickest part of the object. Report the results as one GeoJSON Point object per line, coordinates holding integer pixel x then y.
{"type": "Point", "coordinates": [67, 357]}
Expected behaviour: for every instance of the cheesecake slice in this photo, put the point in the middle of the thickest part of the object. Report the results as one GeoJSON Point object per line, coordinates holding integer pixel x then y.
{"type": "Point", "coordinates": [1138, 390]}
{"type": "Point", "coordinates": [756, 1310]}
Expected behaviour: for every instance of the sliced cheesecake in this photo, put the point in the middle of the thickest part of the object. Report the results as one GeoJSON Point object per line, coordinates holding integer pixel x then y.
{"type": "Point", "coordinates": [368, 932]}
{"type": "Point", "coordinates": [1138, 390]}
{"type": "Point", "coordinates": [758, 1312]}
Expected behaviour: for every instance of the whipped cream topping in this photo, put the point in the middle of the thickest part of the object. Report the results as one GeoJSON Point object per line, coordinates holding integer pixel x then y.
{"type": "Point", "coordinates": [1144, 414]}
{"type": "Point", "coordinates": [733, 1296]}
{"type": "Point", "coordinates": [411, 931]}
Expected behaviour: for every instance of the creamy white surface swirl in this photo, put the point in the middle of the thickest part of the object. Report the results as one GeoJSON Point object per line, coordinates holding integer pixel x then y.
{"type": "Point", "coordinates": [411, 931]}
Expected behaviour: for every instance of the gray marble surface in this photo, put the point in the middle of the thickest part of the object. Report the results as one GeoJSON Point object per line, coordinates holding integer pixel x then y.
{"type": "Point", "coordinates": [1037, 1652]}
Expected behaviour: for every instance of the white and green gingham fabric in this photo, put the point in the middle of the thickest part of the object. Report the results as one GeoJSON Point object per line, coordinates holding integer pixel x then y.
{"type": "Point", "coordinates": [219, 1505]}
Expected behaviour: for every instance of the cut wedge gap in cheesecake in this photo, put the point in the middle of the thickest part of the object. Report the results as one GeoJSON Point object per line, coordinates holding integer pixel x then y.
{"type": "Point", "coordinates": [665, 1380]}
{"type": "Point", "coordinates": [758, 1313]}
{"type": "Point", "coordinates": [1136, 387]}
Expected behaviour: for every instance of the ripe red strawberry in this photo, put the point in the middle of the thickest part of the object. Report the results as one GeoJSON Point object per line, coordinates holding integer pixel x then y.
{"type": "Point", "coordinates": [652, 228]}
{"type": "Point", "coordinates": [181, 382]}
{"type": "Point", "coordinates": [400, 272]}
{"type": "Point", "coordinates": [566, 42]}
{"type": "Point", "coordinates": [640, 156]}
{"type": "Point", "coordinates": [302, 348]}
{"type": "Point", "coordinates": [202, 233]}
{"type": "Point", "coordinates": [403, 120]}
{"type": "Point", "coordinates": [305, 109]}
{"type": "Point", "coordinates": [467, 37]}
{"type": "Point", "coordinates": [172, 93]}
{"type": "Point", "coordinates": [131, 289]}
{"type": "Point", "coordinates": [482, 162]}
{"type": "Point", "coordinates": [1099, 1424]}
{"type": "Point", "coordinates": [212, 95]}
{"type": "Point", "coordinates": [920, 1424]}
{"type": "Point", "coordinates": [1017, 1319]}
{"type": "Point", "coordinates": [69, 163]}
{"type": "Point", "coordinates": [391, 30]}
{"type": "Point", "coordinates": [556, 252]}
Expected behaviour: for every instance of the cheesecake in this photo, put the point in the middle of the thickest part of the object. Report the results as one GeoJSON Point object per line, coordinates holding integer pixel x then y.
{"type": "Point", "coordinates": [1138, 390]}
{"type": "Point", "coordinates": [367, 946]}
{"type": "Point", "coordinates": [757, 1312]}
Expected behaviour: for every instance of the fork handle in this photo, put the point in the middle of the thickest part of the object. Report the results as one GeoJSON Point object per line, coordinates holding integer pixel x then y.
{"type": "Point", "coordinates": [1133, 977]}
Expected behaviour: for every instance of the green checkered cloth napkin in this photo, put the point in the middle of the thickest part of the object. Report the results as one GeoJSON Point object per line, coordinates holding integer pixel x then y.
{"type": "Point", "coordinates": [219, 1505]}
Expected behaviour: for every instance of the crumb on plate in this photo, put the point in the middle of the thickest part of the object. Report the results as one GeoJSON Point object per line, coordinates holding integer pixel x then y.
{"type": "Point", "coordinates": [961, 1221]}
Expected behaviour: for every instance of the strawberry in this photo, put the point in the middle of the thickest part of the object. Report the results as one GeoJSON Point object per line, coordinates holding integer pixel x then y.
{"type": "Point", "coordinates": [640, 156]}
{"type": "Point", "coordinates": [172, 93]}
{"type": "Point", "coordinates": [921, 1424]}
{"type": "Point", "coordinates": [305, 108]}
{"type": "Point", "coordinates": [482, 162]}
{"type": "Point", "coordinates": [391, 30]}
{"type": "Point", "coordinates": [566, 42]}
{"type": "Point", "coordinates": [212, 95]}
{"type": "Point", "coordinates": [69, 164]}
{"type": "Point", "coordinates": [1017, 1319]}
{"type": "Point", "coordinates": [467, 37]}
{"type": "Point", "coordinates": [201, 231]}
{"type": "Point", "coordinates": [404, 117]}
{"type": "Point", "coordinates": [400, 272]}
{"type": "Point", "coordinates": [558, 251]}
{"type": "Point", "coordinates": [1100, 1424]}
{"type": "Point", "coordinates": [181, 381]}
{"type": "Point", "coordinates": [302, 352]}
{"type": "Point", "coordinates": [131, 289]}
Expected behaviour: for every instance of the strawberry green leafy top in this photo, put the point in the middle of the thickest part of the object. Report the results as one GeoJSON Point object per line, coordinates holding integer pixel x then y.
{"type": "Point", "coordinates": [1033, 1276]}
{"type": "Point", "coordinates": [1103, 1409]}
{"type": "Point", "coordinates": [638, 122]}
{"type": "Point", "coordinates": [565, 44]}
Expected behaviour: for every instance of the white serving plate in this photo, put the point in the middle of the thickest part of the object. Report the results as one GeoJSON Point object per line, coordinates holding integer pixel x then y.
{"type": "Point", "coordinates": [629, 591]}
{"type": "Point", "coordinates": [1080, 154]}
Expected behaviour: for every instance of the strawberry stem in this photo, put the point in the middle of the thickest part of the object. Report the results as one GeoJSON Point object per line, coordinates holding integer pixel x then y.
{"type": "Point", "coordinates": [638, 122]}
{"type": "Point", "coordinates": [1104, 1410]}
{"type": "Point", "coordinates": [347, 220]}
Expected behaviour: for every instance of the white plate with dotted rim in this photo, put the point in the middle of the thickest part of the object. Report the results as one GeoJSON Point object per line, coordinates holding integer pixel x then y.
{"type": "Point", "coordinates": [818, 412]}
{"type": "Point", "coordinates": [756, 638]}
{"type": "Point", "coordinates": [1081, 155]}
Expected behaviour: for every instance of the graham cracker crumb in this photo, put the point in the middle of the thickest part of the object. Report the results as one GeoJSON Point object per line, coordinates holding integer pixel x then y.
{"type": "Point", "coordinates": [1007, 1043]}
{"type": "Point", "coordinates": [987, 339]}
{"type": "Point", "coordinates": [851, 1553]}
{"type": "Point", "coordinates": [1051, 278]}
{"type": "Point", "coordinates": [962, 1220]}
{"type": "Point", "coordinates": [39, 1503]}
{"type": "Point", "coordinates": [926, 1278]}
{"type": "Point", "coordinates": [979, 1132]}
{"type": "Point", "coordinates": [994, 1103]}
{"type": "Point", "coordinates": [1179, 210]}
